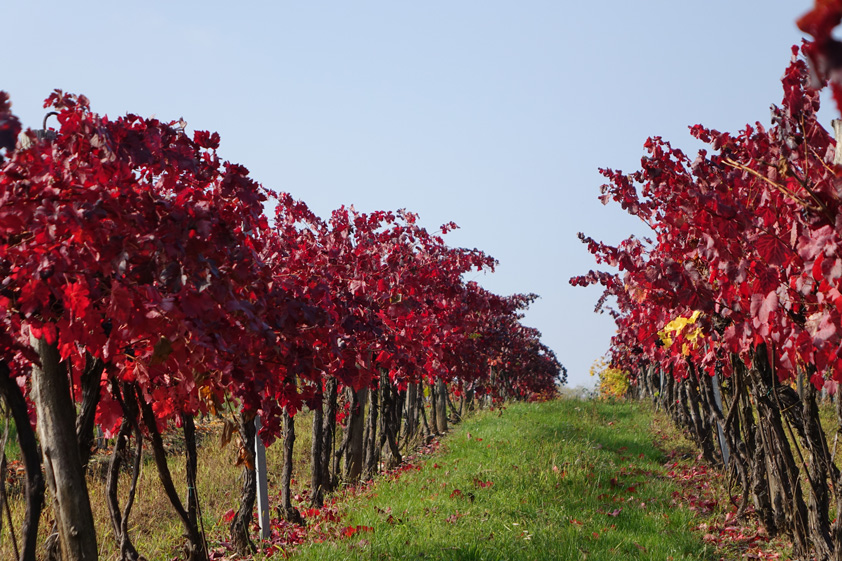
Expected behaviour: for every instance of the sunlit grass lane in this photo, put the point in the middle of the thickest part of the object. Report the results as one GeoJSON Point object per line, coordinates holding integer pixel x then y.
{"type": "Point", "coordinates": [557, 480]}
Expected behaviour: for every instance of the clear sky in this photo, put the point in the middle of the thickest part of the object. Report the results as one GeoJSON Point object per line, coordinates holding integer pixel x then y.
{"type": "Point", "coordinates": [496, 115]}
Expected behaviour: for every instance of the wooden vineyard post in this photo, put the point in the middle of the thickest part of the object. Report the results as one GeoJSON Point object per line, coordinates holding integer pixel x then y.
{"type": "Point", "coordinates": [661, 392]}
{"type": "Point", "coordinates": [799, 383]}
{"type": "Point", "coordinates": [262, 487]}
{"type": "Point", "coordinates": [723, 444]}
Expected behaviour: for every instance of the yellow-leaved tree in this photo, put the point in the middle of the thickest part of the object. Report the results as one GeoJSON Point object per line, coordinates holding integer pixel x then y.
{"type": "Point", "coordinates": [613, 382]}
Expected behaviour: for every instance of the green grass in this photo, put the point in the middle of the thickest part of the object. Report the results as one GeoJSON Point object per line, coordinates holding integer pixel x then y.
{"type": "Point", "coordinates": [571, 480]}
{"type": "Point", "coordinates": [559, 470]}
{"type": "Point", "coordinates": [12, 447]}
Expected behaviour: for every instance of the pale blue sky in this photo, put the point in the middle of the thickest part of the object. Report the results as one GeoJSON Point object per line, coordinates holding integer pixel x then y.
{"type": "Point", "coordinates": [493, 114]}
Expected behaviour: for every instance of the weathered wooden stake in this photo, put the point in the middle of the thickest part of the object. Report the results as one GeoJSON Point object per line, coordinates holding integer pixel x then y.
{"type": "Point", "coordinates": [800, 385]}
{"type": "Point", "coordinates": [723, 444]}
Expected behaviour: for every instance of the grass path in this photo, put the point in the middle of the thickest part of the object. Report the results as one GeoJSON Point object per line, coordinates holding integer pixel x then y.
{"type": "Point", "coordinates": [562, 480]}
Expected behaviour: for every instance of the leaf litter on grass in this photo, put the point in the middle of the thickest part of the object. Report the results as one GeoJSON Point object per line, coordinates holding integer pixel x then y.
{"type": "Point", "coordinates": [323, 524]}
{"type": "Point", "coordinates": [704, 490]}
{"type": "Point", "coordinates": [700, 491]}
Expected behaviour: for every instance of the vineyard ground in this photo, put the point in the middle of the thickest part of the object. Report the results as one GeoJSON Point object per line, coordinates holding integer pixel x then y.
{"type": "Point", "coordinates": [566, 479]}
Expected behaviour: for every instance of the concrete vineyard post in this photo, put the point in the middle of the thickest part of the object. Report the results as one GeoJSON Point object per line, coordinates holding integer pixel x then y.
{"type": "Point", "coordinates": [262, 488]}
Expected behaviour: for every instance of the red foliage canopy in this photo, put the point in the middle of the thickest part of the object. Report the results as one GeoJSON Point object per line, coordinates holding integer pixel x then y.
{"type": "Point", "coordinates": [747, 236]}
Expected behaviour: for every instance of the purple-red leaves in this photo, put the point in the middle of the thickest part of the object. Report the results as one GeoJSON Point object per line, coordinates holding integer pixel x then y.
{"type": "Point", "coordinates": [820, 21]}
{"type": "Point", "coordinates": [772, 250]}
{"type": "Point", "coordinates": [206, 139]}
{"type": "Point", "coordinates": [747, 237]}
{"type": "Point", "coordinates": [118, 237]}
{"type": "Point", "coordinates": [825, 53]}
{"type": "Point", "coordinates": [349, 531]}
{"type": "Point", "coordinates": [761, 308]}
{"type": "Point", "coordinates": [77, 298]}
{"type": "Point", "coordinates": [129, 241]}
